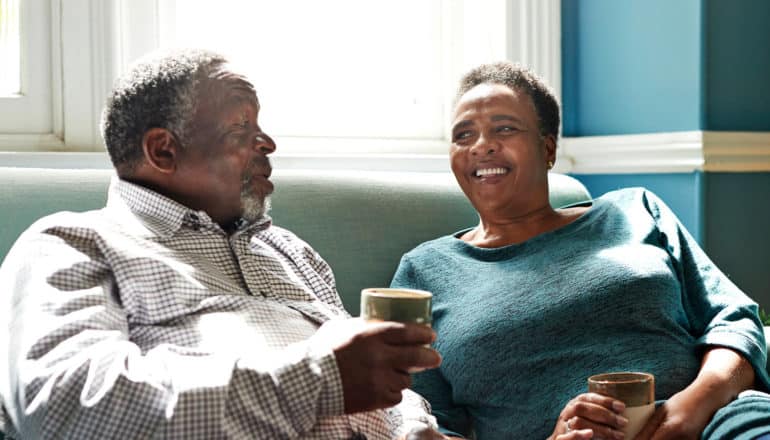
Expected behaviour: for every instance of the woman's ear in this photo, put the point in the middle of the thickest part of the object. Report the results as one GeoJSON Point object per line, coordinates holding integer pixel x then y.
{"type": "Point", "coordinates": [549, 142]}
{"type": "Point", "coordinates": [160, 150]}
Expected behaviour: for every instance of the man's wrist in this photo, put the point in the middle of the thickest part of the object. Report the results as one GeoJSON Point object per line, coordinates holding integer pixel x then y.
{"type": "Point", "coordinates": [324, 360]}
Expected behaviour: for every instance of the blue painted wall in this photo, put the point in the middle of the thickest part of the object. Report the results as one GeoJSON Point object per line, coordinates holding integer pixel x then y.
{"type": "Point", "coordinates": [681, 191]}
{"type": "Point", "coordinates": [738, 229]}
{"type": "Point", "coordinates": [659, 66]}
{"type": "Point", "coordinates": [737, 60]}
{"type": "Point", "coordinates": [631, 66]}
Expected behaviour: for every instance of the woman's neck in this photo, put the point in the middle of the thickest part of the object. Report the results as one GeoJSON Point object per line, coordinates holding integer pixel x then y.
{"type": "Point", "coordinates": [496, 231]}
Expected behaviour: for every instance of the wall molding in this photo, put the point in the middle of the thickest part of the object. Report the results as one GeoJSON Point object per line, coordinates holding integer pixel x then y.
{"type": "Point", "coordinates": [736, 151]}
{"type": "Point", "coordinates": [674, 152]}
{"type": "Point", "coordinates": [423, 163]}
{"type": "Point", "coordinates": [30, 141]}
{"type": "Point", "coordinates": [677, 152]}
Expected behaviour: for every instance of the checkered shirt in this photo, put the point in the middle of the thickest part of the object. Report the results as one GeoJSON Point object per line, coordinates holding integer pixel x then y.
{"type": "Point", "coordinates": [146, 320]}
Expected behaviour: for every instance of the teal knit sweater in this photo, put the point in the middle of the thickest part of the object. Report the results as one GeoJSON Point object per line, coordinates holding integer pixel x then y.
{"type": "Point", "coordinates": [521, 327]}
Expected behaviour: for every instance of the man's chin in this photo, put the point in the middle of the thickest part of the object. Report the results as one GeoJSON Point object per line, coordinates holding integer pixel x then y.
{"type": "Point", "coordinates": [254, 208]}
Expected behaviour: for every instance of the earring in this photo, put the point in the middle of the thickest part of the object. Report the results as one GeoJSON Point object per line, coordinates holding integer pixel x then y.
{"type": "Point", "coordinates": [550, 164]}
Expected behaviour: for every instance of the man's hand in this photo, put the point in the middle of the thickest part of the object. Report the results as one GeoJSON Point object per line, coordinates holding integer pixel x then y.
{"type": "Point", "coordinates": [374, 359]}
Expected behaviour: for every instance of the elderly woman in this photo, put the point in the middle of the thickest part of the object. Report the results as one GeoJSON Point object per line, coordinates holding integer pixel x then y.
{"type": "Point", "coordinates": [533, 300]}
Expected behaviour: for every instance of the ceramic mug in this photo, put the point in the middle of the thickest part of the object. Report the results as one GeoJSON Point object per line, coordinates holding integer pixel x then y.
{"type": "Point", "coordinates": [636, 390]}
{"type": "Point", "coordinates": [393, 304]}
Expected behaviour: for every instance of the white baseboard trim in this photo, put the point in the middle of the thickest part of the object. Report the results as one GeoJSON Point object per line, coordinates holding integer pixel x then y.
{"type": "Point", "coordinates": [675, 152]}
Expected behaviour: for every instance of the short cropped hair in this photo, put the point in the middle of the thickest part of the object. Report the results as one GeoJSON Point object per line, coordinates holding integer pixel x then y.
{"type": "Point", "coordinates": [517, 78]}
{"type": "Point", "coordinates": [159, 91]}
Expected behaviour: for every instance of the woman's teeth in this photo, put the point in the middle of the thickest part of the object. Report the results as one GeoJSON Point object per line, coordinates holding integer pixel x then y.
{"type": "Point", "coordinates": [490, 172]}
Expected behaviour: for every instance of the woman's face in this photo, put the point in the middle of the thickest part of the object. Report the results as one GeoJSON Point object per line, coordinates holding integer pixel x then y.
{"type": "Point", "coordinates": [497, 155]}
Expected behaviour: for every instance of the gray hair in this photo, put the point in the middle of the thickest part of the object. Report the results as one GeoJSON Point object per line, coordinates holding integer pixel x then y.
{"type": "Point", "coordinates": [159, 91]}
{"type": "Point", "coordinates": [517, 78]}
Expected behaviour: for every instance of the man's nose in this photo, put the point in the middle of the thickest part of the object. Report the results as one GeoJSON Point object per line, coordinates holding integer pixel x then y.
{"type": "Point", "coordinates": [265, 143]}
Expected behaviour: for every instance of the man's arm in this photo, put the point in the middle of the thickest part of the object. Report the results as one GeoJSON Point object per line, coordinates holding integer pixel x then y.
{"type": "Point", "coordinates": [72, 371]}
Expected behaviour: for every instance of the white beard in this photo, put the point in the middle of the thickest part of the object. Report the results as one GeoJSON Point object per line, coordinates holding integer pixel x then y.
{"type": "Point", "coordinates": [253, 208]}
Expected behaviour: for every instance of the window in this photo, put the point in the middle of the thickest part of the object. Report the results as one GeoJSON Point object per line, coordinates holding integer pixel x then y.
{"type": "Point", "coordinates": [10, 49]}
{"type": "Point", "coordinates": [25, 98]}
{"type": "Point", "coordinates": [341, 76]}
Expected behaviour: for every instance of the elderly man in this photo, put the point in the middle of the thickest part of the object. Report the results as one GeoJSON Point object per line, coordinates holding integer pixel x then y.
{"type": "Point", "coordinates": [179, 310]}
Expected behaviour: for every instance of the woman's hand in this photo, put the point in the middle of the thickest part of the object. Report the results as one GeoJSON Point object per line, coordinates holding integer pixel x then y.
{"type": "Point", "coordinates": [683, 416]}
{"type": "Point", "coordinates": [590, 415]}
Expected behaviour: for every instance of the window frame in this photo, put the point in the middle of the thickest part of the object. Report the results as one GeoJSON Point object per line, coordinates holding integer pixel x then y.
{"type": "Point", "coordinates": [28, 116]}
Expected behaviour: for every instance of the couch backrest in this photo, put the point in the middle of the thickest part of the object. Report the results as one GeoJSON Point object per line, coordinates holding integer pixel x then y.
{"type": "Point", "coordinates": [360, 222]}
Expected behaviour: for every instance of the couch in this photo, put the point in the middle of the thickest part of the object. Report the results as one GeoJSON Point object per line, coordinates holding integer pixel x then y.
{"type": "Point", "coordinates": [360, 222]}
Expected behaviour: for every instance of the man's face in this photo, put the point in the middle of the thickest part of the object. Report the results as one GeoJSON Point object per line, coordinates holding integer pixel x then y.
{"type": "Point", "coordinates": [226, 163]}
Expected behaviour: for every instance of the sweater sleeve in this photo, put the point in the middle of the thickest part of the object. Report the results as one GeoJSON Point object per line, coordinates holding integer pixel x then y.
{"type": "Point", "coordinates": [719, 313]}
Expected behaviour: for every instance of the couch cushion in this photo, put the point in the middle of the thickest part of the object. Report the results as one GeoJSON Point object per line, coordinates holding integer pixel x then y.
{"type": "Point", "coordinates": [363, 222]}
{"type": "Point", "coordinates": [360, 222]}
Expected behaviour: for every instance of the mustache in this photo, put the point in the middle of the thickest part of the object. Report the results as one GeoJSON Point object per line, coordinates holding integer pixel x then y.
{"type": "Point", "coordinates": [260, 166]}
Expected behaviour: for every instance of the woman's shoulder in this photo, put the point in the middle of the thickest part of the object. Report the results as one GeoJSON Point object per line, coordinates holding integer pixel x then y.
{"type": "Point", "coordinates": [630, 197]}
{"type": "Point", "coordinates": [635, 202]}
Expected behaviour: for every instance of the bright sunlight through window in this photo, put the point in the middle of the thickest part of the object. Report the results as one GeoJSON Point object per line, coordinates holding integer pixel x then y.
{"type": "Point", "coordinates": [332, 68]}
{"type": "Point", "coordinates": [10, 59]}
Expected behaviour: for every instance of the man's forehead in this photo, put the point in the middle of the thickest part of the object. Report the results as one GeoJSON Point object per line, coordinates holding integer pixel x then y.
{"type": "Point", "coordinates": [228, 83]}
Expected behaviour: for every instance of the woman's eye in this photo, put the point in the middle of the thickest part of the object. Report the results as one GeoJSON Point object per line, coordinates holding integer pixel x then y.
{"type": "Point", "coordinates": [461, 135]}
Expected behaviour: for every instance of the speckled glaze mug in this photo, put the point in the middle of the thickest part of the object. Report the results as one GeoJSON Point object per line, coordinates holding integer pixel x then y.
{"type": "Point", "coordinates": [392, 304]}
{"type": "Point", "coordinates": [636, 390]}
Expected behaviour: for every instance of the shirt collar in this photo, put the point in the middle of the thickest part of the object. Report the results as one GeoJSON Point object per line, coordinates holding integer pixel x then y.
{"type": "Point", "coordinates": [163, 215]}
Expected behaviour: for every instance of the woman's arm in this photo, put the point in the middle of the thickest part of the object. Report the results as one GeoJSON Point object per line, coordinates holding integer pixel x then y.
{"type": "Point", "coordinates": [723, 375]}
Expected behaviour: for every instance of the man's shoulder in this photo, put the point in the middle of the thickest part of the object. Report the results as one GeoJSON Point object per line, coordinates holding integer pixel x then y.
{"type": "Point", "coordinates": [68, 219]}
{"type": "Point", "coordinates": [84, 225]}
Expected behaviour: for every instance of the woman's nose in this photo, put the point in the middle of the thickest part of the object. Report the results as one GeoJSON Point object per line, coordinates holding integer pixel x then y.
{"type": "Point", "coordinates": [484, 145]}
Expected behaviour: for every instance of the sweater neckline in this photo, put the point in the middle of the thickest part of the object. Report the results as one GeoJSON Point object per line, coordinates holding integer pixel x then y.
{"type": "Point", "coordinates": [595, 207]}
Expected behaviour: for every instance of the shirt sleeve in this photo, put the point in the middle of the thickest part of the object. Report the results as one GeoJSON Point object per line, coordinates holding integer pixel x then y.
{"type": "Point", "coordinates": [412, 412]}
{"type": "Point", "coordinates": [69, 370]}
{"type": "Point", "coordinates": [452, 419]}
{"type": "Point", "coordinates": [718, 311]}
